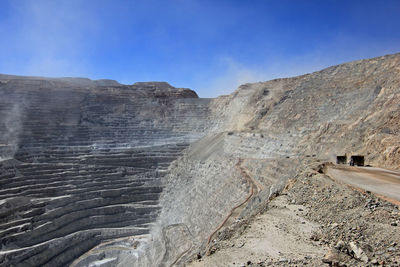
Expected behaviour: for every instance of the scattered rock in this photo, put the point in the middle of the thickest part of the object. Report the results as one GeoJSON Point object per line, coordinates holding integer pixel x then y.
{"type": "Point", "coordinates": [340, 245]}
{"type": "Point", "coordinates": [374, 261]}
{"type": "Point", "coordinates": [331, 257]}
{"type": "Point", "coordinates": [334, 225]}
{"type": "Point", "coordinates": [358, 252]}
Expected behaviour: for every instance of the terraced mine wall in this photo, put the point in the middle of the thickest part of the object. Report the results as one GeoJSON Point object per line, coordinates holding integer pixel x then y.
{"type": "Point", "coordinates": [83, 162]}
{"type": "Point", "coordinates": [152, 175]}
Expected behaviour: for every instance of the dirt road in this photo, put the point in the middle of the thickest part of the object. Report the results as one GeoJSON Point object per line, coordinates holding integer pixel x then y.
{"type": "Point", "coordinates": [254, 189]}
{"type": "Point", "coordinates": [379, 181]}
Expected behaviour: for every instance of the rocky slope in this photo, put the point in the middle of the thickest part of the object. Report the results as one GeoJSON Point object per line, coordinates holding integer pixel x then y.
{"type": "Point", "coordinates": [264, 134]}
{"type": "Point", "coordinates": [102, 174]}
{"type": "Point", "coordinates": [346, 108]}
{"type": "Point", "coordinates": [314, 221]}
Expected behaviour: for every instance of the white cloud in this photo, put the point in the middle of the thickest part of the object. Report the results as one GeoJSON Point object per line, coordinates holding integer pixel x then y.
{"type": "Point", "coordinates": [232, 75]}
{"type": "Point", "coordinates": [46, 38]}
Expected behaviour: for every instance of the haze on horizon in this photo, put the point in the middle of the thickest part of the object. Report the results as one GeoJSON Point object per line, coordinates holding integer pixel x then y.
{"type": "Point", "coordinates": [209, 46]}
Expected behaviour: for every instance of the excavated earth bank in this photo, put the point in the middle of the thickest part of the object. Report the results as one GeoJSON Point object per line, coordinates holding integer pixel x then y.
{"type": "Point", "coordinates": [95, 173]}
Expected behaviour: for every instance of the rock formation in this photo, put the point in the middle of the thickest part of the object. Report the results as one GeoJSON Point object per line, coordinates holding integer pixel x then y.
{"type": "Point", "coordinates": [95, 172]}
{"type": "Point", "coordinates": [86, 161]}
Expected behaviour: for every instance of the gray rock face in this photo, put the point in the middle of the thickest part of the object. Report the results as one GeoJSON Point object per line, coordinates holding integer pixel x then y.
{"type": "Point", "coordinates": [88, 159]}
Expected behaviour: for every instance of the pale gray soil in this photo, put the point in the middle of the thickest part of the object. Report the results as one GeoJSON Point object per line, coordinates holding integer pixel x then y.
{"type": "Point", "coordinates": [282, 234]}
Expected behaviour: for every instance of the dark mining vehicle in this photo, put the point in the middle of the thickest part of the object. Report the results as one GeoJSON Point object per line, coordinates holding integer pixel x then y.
{"type": "Point", "coordinates": [357, 160]}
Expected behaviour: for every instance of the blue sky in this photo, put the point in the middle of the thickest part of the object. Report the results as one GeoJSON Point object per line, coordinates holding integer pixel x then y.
{"type": "Point", "coordinates": [209, 46]}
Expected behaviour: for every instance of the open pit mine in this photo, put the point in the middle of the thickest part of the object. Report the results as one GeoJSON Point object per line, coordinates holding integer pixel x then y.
{"type": "Point", "coordinates": [96, 173]}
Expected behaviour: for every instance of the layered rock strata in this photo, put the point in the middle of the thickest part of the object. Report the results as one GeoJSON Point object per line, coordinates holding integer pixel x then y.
{"type": "Point", "coordinates": [83, 162]}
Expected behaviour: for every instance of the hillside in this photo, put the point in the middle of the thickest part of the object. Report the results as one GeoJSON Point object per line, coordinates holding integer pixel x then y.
{"type": "Point", "coordinates": [150, 175]}
{"type": "Point", "coordinates": [269, 131]}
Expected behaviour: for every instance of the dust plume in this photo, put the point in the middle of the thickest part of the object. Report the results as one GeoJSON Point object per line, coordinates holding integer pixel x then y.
{"type": "Point", "coordinates": [11, 123]}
